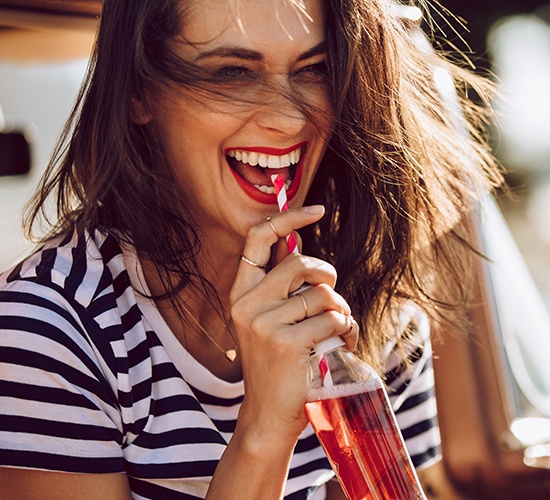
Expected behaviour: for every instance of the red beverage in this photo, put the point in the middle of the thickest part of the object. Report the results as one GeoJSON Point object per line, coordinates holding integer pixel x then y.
{"type": "Point", "coordinates": [360, 436]}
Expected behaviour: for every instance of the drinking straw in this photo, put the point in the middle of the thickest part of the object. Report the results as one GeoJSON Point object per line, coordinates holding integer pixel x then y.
{"type": "Point", "coordinates": [280, 189]}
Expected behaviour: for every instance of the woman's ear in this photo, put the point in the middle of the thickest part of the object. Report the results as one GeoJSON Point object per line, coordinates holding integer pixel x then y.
{"type": "Point", "coordinates": [141, 115]}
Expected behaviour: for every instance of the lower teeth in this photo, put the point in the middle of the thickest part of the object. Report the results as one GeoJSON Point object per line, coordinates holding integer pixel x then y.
{"type": "Point", "coordinates": [271, 189]}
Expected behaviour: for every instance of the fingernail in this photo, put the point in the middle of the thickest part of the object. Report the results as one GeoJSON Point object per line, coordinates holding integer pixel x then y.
{"type": "Point", "coordinates": [314, 209]}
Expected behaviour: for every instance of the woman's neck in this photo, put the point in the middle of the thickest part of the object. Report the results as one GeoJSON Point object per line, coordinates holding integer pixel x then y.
{"type": "Point", "coordinates": [203, 332]}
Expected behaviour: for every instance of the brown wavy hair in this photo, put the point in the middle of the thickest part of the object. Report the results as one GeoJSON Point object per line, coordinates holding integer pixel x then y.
{"type": "Point", "coordinates": [403, 168]}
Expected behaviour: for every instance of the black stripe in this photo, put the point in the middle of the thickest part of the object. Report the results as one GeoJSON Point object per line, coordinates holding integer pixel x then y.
{"type": "Point", "coordinates": [173, 404]}
{"type": "Point", "coordinates": [156, 492]}
{"type": "Point", "coordinates": [131, 317]}
{"type": "Point", "coordinates": [139, 353]}
{"type": "Point", "coordinates": [49, 461]}
{"type": "Point", "coordinates": [42, 427]}
{"type": "Point", "coordinates": [319, 464]}
{"type": "Point", "coordinates": [422, 458]}
{"type": "Point", "coordinates": [121, 283]}
{"type": "Point", "coordinates": [395, 373]}
{"type": "Point", "coordinates": [90, 326]}
{"type": "Point", "coordinates": [186, 435]}
{"type": "Point", "coordinates": [35, 326]}
{"type": "Point", "coordinates": [165, 371]}
{"type": "Point", "coordinates": [74, 377]}
{"type": "Point", "coordinates": [307, 444]}
{"type": "Point", "coordinates": [196, 468]}
{"type": "Point", "coordinates": [208, 399]}
{"type": "Point", "coordinates": [79, 267]}
{"type": "Point", "coordinates": [109, 248]}
{"type": "Point", "coordinates": [38, 301]}
{"type": "Point", "coordinates": [138, 392]}
{"type": "Point", "coordinates": [419, 428]}
{"type": "Point", "coordinates": [102, 304]}
{"type": "Point", "coordinates": [225, 425]}
{"type": "Point", "coordinates": [15, 274]}
{"type": "Point", "coordinates": [396, 389]}
{"type": "Point", "coordinates": [45, 266]}
{"type": "Point", "coordinates": [43, 394]}
{"type": "Point", "coordinates": [415, 400]}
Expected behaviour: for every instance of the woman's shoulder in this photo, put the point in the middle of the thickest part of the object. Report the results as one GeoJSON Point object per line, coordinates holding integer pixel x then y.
{"type": "Point", "coordinates": [79, 267]}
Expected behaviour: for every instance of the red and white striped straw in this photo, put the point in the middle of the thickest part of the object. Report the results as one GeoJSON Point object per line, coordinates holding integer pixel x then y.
{"type": "Point", "coordinates": [280, 189]}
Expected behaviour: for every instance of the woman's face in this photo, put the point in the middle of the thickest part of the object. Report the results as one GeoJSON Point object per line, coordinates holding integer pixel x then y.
{"type": "Point", "coordinates": [223, 150]}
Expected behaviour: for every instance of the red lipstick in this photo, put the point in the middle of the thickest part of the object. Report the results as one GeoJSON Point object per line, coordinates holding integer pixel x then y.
{"type": "Point", "coordinates": [270, 199]}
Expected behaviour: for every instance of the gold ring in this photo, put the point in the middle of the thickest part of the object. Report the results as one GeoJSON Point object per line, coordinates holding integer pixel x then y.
{"type": "Point", "coordinates": [305, 305]}
{"type": "Point", "coordinates": [273, 227]}
{"type": "Point", "coordinates": [252, 263]}
{"type": "Point", "coordinates": [351, 323]}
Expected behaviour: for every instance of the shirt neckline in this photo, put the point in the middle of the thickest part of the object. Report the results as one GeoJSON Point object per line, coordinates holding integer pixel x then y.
{"type": "Point", "coordinates": [192, 371]}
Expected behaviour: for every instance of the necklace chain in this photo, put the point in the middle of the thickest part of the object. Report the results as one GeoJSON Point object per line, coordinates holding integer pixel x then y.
{"type": "Point", "coordinates": [230, 354]}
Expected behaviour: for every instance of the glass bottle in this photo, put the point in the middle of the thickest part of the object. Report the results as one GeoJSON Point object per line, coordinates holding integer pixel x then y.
{"type": "Point", "coordinates": [350, 411]}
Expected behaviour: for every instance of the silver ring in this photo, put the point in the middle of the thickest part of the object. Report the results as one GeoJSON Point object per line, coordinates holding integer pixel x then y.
{"type": "Point", "coordinates": [273, 227]}
{"type": "Point", "coordinates": [252, 263]}
{"type": "Point", "coordinates": [305, 305]}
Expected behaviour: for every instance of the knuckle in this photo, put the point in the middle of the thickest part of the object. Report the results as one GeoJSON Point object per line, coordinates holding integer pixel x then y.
{"type": "Point", "coordinates": [240, 311]}
{"type": "Point", "coordinates": [255, 232]}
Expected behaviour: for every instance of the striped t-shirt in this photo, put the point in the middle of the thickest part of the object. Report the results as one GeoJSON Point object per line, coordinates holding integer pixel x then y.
{"type": "Point", "coordinates": [93, 381]}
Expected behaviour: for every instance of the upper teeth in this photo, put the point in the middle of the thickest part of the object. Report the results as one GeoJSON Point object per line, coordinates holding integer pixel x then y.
{"type": "Point", "coordinates": [266, 161]}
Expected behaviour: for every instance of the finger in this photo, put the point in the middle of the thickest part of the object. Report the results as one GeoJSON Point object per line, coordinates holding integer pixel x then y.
{"type": "Point", "coordinates": [351, 337]}
{"type": "Point", "coordinates": [261, 237]}
{"type": "Point", "coordinates": [314, 301]}
{"type": "Point", "coordinates": [314, 329]}
{"type": "Point", "coordinates": [296, 270]}
{"type": "Point", "coordinates": [280, 251]}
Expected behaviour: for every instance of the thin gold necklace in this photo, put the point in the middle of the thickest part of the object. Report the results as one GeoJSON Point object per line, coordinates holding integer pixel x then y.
{"type": "Point", "coordinates": [230, 354]}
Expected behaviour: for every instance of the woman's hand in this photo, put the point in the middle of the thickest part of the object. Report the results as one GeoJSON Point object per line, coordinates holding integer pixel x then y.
{"type": "Point", "coordinates": [276, 333]}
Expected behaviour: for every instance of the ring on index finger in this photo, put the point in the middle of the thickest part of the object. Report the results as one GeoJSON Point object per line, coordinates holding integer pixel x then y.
{"type": "Point", "coordinates": [273, 228]}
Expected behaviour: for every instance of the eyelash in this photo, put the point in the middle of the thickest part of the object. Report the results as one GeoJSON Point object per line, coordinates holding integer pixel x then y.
{"type": "Point", "coordinates": [229, 73]}
{"type": "Point", "coordinates": [236, 73]}
{"type": "Point", "coordinates": [320, 69]}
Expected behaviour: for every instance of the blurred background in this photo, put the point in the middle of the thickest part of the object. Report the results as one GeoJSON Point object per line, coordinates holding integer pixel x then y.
{"type": "Point", "coordinates": [511, 40]}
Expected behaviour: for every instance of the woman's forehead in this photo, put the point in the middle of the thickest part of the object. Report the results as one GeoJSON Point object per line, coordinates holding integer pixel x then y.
{"type": "Point", "coordinates": [253, 21]}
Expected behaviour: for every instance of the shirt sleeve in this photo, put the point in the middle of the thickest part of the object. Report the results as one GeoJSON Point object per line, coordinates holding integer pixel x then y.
{"type": "Point", "coordinates": [410, 382]}
{"type": "Point", "coordinates": [58, 410]}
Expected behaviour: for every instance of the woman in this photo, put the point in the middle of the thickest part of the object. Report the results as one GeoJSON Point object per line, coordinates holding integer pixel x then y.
{"type": "Point", "coordinates": [160, 308]}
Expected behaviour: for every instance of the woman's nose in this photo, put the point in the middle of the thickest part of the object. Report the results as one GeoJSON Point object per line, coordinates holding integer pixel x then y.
{"type": "Point", "coordinates": [280, 115]}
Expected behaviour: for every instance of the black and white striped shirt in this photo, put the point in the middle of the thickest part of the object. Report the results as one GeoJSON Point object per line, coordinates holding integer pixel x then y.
{"type": "Point", "coordinates": [93, 381]}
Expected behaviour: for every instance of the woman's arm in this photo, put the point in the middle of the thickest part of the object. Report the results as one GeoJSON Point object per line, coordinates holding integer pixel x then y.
{"type": "Point", "coordinates": [30, 484]}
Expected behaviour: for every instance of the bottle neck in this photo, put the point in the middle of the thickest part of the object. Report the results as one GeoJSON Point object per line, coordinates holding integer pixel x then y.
{"type": "Point", "coordinates": [327, 345]}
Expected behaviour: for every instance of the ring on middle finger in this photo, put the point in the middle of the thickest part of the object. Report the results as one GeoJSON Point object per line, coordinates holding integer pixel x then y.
{"type": "Point", "coordinates": [304, 303]}
{"type": "Point", "coordinates": [349, 318]}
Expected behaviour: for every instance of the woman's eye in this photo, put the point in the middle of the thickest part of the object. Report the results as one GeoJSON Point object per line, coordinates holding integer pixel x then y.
{"type": "Point", "coordinates": [318, 71]}
{"type": "Point", "coordinates": [229, 73]}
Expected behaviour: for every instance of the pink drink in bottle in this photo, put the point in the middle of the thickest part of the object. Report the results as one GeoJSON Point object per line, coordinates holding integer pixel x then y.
{"type": "Point", "coordinates": [350, 412]}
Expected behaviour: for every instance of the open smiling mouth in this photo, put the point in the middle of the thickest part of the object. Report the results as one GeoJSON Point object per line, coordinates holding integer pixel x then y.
{"type": "Point", "coordinates": [256, 168]}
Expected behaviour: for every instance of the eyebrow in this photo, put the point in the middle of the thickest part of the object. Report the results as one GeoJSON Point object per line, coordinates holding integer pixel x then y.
{"type": "Point", "coordinates": [253, 55]}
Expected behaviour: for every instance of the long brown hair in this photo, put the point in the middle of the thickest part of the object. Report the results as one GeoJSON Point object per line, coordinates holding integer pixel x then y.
{"type": "Point", "coordinates": [401, 171]}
